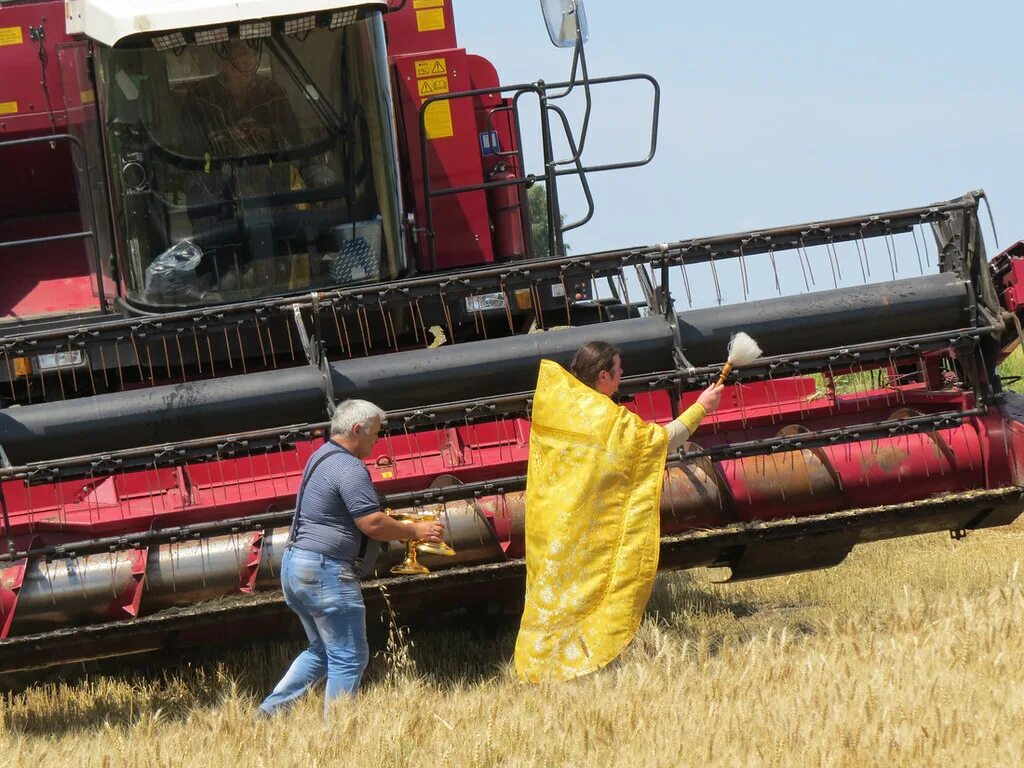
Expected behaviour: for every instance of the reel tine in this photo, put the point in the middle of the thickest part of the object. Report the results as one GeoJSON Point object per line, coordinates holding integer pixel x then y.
{"type": "Point", "coordinates": [209, 351]}
{"type": "Point", "coordinates": [344, 326]}
{"type": "Point", "coordinates": [917, 248]}
{"type": "Point", "coordinates": [88, 369]}
{"type": "Point", "coordinates": [337, 326]}
{"type": "Point", "coordinates": [291, 343]}
{"type": "Point", "coordinates": [270, 343]}
{"type": "Point", "coordinates": [149, 365]}
{"type": "Point", "coordinates": [744, 281]}
{"type": "Point", "coordinates": [227, 347]}
{"type": "Point", "coordinates": [807, 260]}
{"type": "Point", "coordinates": [241, 349]}
{"type": "Point", "coordinates": [364, 328]}
{"type": "Point", "coordinates": [565, 296]}
{"type": "Point", "coordinates": [181, 356]}
{"type": "Point", "coordinates": [138, 357]}
{"type": "Point", "coordinates": [714, 277]}
{"type": "Point", "coordinates": [535, 287]}
{"type": "Point", "coordinates": [775, 271]}
{"type": "Point", "coordinates": [833, 255]}
{"type": "Point", "coordinates": [803, 269]}
{"type": "Point", "coordinates": [686, 281]}
{"type": "Point", "coordinates": [892, 256]}
{"type": "Point", "coordinates": [508, 307]}
{"type": "Point", "coordinates": [447, 314]}
{"type": "Point", "coordinates": [167, 356]}
{"type": "Point", "coordinates": [103, 367]}
{"type": "Point", "coordinates": [895, 250]}
{"type": "Point", "coordinates": [10, 374]}
{"type": "Point", "coordinates": [195, 343]}
{"type": "Point", "coordinates": [74, 376]}
{"type": "Point", "coordinates": [867, 260]}
{"type": "Point", "coordinates": [117, 362]}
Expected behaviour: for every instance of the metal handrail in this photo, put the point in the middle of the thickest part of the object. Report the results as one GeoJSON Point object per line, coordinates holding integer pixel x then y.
{"type": "Point", "coordinates": [551, 174]}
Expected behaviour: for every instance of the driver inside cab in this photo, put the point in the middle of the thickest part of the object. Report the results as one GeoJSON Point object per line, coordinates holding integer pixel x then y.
{"type": "Point", "coordinates": [241, 122]}
{"type": "Point", "coordinates": [232, 119]}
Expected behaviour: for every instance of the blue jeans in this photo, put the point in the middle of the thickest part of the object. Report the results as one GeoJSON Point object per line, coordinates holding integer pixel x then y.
{"type": "Point", "coordinates": [326, 595]}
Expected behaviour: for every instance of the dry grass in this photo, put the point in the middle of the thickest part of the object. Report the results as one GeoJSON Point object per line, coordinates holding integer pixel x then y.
{"type": "Point", "coordinates": [908, 655]}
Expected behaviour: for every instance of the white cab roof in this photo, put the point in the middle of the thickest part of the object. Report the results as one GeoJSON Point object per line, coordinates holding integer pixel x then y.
{"type": "Point", "coordinates": [108, 21]}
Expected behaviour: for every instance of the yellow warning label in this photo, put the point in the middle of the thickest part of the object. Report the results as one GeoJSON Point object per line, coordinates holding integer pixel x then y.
{"type": "Point", "coordinates": [89, 96]}
{"type": "Point", "coordinates": [432, 86]}
{"type": "Point", "coordinates": [8, 107]}
{"type": "Point", "coordinates": [12, 35]}
{"type": "Point", "coordinates": [438, 120]}
{"type": "Point", "coordinates": [430, 21]}
{"type": "Point", "coordinates": [431, 67]}
{"type": "Point", "coordinates": [427, 3]}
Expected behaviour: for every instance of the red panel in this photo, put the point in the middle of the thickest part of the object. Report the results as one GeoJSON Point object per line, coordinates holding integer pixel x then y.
{"type": "Point", "coordinates": [460, 221]}
{"type": "Point", "coordinates": [1013, 281]}
{"type": "Point", "coordinates": [46, 278]}
{"type": "Point", "coordinates": [24, 107]}
{"type": "Point", "coordinates": [11, 579]}
{"type": "Point", "coordinates": [422, 25]}
{"type": "Point", "coordinates": [45, 179]}
{"type": "Point", "coordinates": [126, 602]}
{"type": "Point", "coordinates": [498, 143]}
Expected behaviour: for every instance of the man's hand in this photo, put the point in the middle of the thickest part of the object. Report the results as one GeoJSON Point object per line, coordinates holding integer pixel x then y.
{"type": "Point", "coordinates": [711, 397]}
{"type": "Point", "coordinates": [382, 527]}
{"type": "Point", "coordinates": [431, 531]}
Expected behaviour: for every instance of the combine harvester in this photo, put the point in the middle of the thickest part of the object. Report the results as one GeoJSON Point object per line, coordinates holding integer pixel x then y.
{"type": "Point", "coordinates": [228, 216]}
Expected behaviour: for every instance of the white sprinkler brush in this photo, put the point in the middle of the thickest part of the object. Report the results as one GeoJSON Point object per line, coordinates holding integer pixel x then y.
{"type": "Point", "coordinates": [743, 350]}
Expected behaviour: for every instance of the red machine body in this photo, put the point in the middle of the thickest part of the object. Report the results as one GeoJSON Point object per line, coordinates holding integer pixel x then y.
{"type": "Point", "coordinates": [467, 139]}
{"type": "Point", "coordinates": [57, 277]}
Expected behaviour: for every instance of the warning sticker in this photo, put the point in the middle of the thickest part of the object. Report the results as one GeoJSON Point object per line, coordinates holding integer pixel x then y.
{"type": "Point", "coordinates": [432, 86]}
{"type": "Point", "coordinates": [431, 67]}
{"type": "Point", "coordinates": [8, 107]}
{"type": "Point", "coordinates": [430, 21]}
{"type": "Point", "coordinates": [88, 97]}
{"type": "Point", "coordinates": [427, 3]}
{"type": "Point", "coordinates": [12, 35]}
{"type": "Point", "coordinates": [438, 120]}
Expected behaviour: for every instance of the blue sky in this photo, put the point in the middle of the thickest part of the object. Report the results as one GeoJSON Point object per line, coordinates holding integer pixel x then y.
{"type": "Point", "coordinates": [779, 113]}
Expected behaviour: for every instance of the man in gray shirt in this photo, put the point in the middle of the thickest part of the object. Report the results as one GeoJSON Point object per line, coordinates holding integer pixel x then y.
{"type": "Point", "coordinates": [334, 540]}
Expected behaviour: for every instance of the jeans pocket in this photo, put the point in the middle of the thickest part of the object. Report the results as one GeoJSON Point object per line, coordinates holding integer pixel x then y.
{"type": "Point", "coordinates": [306, 573]}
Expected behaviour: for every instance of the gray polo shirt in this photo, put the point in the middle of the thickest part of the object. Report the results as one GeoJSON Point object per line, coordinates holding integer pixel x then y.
{"type": "Point", "coordinates": [337, 493]}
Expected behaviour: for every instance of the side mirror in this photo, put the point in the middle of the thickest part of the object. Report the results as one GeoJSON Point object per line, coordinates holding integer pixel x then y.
{"type": "Point", "coordinates": [567, 22]}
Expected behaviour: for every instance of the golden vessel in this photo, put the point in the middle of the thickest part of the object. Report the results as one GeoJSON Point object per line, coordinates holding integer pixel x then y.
{"type": "Point", "coordinates": [411, 563]}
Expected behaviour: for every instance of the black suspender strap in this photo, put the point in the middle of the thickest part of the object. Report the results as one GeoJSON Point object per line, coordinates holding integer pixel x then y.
{"type": "Point", "coordinates": [294, 531]}
{"type": "Point", "coordinates": [298, 499]}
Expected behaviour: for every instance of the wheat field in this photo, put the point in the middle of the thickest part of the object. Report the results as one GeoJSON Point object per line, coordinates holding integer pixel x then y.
{"type": "Point", "coordinates": [908, 654]}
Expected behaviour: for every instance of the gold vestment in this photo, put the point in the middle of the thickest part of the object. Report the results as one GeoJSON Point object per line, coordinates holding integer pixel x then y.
{"type": "Point", "coordinates": [593, 493]}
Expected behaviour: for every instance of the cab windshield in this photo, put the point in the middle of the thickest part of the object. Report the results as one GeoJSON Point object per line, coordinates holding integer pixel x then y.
{"type": "Point", "coordinates": [252, 161]}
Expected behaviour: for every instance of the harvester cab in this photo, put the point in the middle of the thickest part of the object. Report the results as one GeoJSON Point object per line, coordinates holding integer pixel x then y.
{"type": "Point", "coordinates": [253, 161]}
{"type": "Point", "coordinates": [240, 214]}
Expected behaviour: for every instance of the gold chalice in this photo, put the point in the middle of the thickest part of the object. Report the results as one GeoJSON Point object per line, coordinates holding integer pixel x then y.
{"type": "Point", "coordinates": [411, 563]}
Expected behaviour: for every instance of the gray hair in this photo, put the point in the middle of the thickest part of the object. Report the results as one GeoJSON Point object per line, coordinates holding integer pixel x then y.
{"type": "Point", "coordinates": [352, 412]}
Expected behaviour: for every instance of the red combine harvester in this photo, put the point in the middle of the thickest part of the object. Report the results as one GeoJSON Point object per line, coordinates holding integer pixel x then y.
{"type": "Point", "coordinates": [229, 216]}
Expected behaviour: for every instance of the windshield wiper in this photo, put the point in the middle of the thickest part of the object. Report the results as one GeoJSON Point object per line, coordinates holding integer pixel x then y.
{"type": "Point", "coordinates": [301, 77]}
